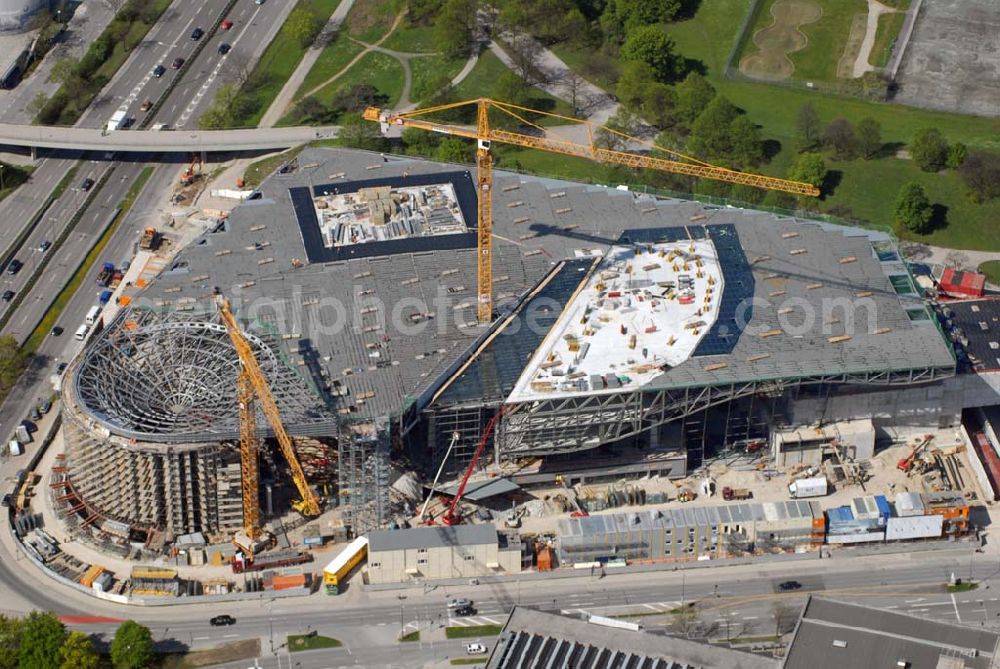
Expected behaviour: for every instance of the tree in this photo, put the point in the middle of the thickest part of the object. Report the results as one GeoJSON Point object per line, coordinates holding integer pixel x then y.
{"type": "Point", "coordinates": [78, 652]}
{"type": "Point", "coordinates": [454, 27]}
{"type": "Point", "coordinates": [929, 149]}
{"type": "Point", "coordinates": [869, 138]}
{"type": "Point", "coordinates": [12, 362]}
{"type": "Point", "coordinates": [981, 174]}
{"type": "Point", "coordinates": [635, 77]}
{"type": "Point", "coordinates": [710, 133]}
{"type": "Point", "coordinates": [360, 134]}
{"type": "Point", "coordinates": [10, 640]}
{"type": "Point", "coordinates": [132, 647]}
{"type": "Point", "coordinates": [63, 69]}
{"type": "Point", "coordinates": [746, 145]}
{"type": "Point", "coordinates": [957, 153]}
{"type": "Point", "coordinates": [913, 209]}
{"type": "Point", "coordinates": [810, 168]}
{"type": "Point", "coordinates": [693, 95]}
{"type": "Point", "coordinates": [623, 122]}
{"type": "Point", "coordinates": [420, 142]}
{"type": "Point", "coordinates": [839, 136]}
{"type": "Point", "coordinates": [303, 26]}
{"type": "Point", "coordinates": [454, 150]}
{"type": "Point", "coordinates": [355, 98]}
{"type": "Point", "coordinates": [650, 44]}
{"type": "Point", "coordinates": [576, 88]}
{"type": "Point", "coordinates": [525, 54]}
{"type": "Point", "coordinates": [686, 620]}
{"type": "Point", "coordinates": [42, 636]}
{"type": "Point", "coordinates": [807, 127]}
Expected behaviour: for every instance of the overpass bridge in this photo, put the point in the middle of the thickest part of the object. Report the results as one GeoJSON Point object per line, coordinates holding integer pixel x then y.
{"type": "Point", "coordinates": [159, 141]}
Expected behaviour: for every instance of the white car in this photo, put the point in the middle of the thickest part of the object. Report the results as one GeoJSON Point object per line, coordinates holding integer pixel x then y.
{"type": "Point", "coordinates": [475, 649]}
{"type": "Point", "coordinates": [459, 603]}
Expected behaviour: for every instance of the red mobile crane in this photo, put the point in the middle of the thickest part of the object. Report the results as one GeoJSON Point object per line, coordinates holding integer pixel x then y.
{"type": "Point", "coordinates": [450, 517]}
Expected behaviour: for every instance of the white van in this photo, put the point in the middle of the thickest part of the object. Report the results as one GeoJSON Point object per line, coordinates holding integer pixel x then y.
{"type": "Point", "coordinates": [81, 332]}
{"type": "Point", "coordinates": [92, 315]}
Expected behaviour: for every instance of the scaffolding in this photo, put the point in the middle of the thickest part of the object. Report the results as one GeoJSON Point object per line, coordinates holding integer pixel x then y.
{"type": "Point", "coordinates": [364, 470]}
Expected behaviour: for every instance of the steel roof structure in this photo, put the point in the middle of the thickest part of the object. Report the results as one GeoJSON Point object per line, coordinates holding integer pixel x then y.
{"type": "Point", "coordinates": [384, 334]}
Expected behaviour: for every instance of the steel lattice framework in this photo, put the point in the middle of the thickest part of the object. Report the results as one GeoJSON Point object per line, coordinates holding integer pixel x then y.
{"type": "Point", "coordinates": [171, 378]}
{"type": "Point", "coordinates": [577, 423]}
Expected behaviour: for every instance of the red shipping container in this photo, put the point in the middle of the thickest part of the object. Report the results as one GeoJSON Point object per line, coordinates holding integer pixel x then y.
{"type": "Point", "coordinates": [962, 284]}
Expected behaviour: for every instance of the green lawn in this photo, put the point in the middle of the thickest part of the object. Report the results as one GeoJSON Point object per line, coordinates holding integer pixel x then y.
{"type": "Point", "coordinates": [710, 34]}
{"type": "Point", "coordinates": [12, 176]}
{"type": "Point", "coordinates": [962, 587]}
{"type": "Point", "coordinates": [412, 38]}
{"type": "Point", "coordinates": [576, 56]}
{"type": "Point", "coordinates": [297, 642]}
{"type": "Point", "coordinates": [472, 631]}
{"type": "Point", "coordinates": [827, 37]}
{"type": "Point", "coordinates": [332, 60]}
{"type": "Point", "coordinates": [381, 71]}
{"type": "Point", "coordinates": [991, 268]}
{"type": "Point", "coordinates": [411, 636]}
{"type": "Point", "coordinates": [370, 20]}
{"type": "Point", "coordinates": [889, 26]}
{"type": "Point", "coordinates": [260, 170]}
{"type": "Point", "coordinates": [469, 660]}
{"type": "Point", "coordinates": [278, 62]}
{"type": "Point", "coordinates": [482, 81]}
{"type": "Point", "coordinates": [428, 71]}
{"type": "Point", "coordinates": [869, 188]}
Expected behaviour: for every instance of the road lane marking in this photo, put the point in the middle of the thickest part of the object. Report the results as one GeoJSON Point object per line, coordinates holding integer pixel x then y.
{"type": "Point", "coordinates": [955, 604]}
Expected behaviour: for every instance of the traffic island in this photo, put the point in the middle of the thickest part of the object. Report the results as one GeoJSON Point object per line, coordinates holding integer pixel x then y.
{"type": "Point", "coordinates": [313, 641]}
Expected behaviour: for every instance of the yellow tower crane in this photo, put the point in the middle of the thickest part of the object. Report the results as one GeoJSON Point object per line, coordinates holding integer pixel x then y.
{"type": "Point", "coordinates": [485, 134]}
{"type": "Point", "coordinates": [252, 387]}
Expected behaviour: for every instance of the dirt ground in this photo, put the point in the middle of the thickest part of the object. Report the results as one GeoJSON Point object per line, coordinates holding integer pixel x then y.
{"type": "Point", "coordinates": [952, 61]}
{"type": "Point", "coordinates": [779, 39]}
{"type": "Point", "coordinates": [767, 484]}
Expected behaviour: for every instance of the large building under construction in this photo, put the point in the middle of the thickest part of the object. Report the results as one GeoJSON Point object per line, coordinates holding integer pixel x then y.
{"type": "Point", "coordinates": [632, 335]}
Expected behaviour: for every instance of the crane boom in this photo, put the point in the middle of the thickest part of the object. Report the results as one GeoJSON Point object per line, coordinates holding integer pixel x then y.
{"type": "Point", "coordinates": [485, 135]}
{"type": "Point", "coordinates": [253, 378]}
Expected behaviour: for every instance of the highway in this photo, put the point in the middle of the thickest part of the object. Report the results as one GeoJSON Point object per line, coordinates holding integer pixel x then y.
{"type": "Point", "coordinates": [253, 28]}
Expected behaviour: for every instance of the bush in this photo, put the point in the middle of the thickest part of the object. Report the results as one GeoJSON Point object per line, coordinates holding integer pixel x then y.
{"type": "Point", "coordinates": [929, 149]}
{"type": "Point", "coordinates": [981, 174]}
{"type": "Point", "coordinates": [913, 209]}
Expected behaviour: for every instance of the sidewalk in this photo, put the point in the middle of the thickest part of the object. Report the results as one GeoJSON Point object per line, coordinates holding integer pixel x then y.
{"type": "Point", "coordinates": [285, 97]}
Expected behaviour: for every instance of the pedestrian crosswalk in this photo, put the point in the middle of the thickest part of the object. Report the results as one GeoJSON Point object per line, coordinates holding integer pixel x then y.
{"type": "Point", "coordinates": [473, 621]}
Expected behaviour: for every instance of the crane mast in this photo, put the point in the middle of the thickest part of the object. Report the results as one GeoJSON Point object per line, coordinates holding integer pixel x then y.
{"type": "Point", "coordinates": [252, 388]}
{"type": "Point", "coordinates": [485, 135]}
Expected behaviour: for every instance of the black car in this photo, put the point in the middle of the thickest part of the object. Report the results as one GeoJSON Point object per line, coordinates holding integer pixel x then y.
{"type": "Point", "coordinates": [222, 621]}
{"type": "Point", "coordinates": [7, 500]}
{"type": "Point", "coordinates": [159, 71]}
{"type": "Point", "coordinates": [789, 585]}
{"type": "Point", "coordinates": [467, 610]}
{"type": "Point", "coordinates": [224, 49]}
{"type": "Point", "coordinates": [8, 295]}
{"type": "Point", "coordinates": [87, 184]}
{"type": "Point", "coordinates": [62, 366]}
{"type": "Point", "coordinates": [177, 64]}
{"type": "Point", "coordinates": [197, 34]}
{"type": "Point", "coordinates": [56, 331]}
{"type": "Point", "coordinates": [14, 267]}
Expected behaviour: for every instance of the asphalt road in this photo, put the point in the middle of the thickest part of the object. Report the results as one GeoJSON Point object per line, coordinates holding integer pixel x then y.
{"type": "Point", "coordinates": [88, 22]}
{"type": "Point", "coordinates": [253, 27]}
{"type": "Point", "coordinates": [744, 596]}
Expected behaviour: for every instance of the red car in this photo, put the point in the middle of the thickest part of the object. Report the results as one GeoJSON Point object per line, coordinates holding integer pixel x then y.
{"type": "Point", "coordinates": [226, 25]}
{"type": "Point", "coordinates": [177, 64]}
